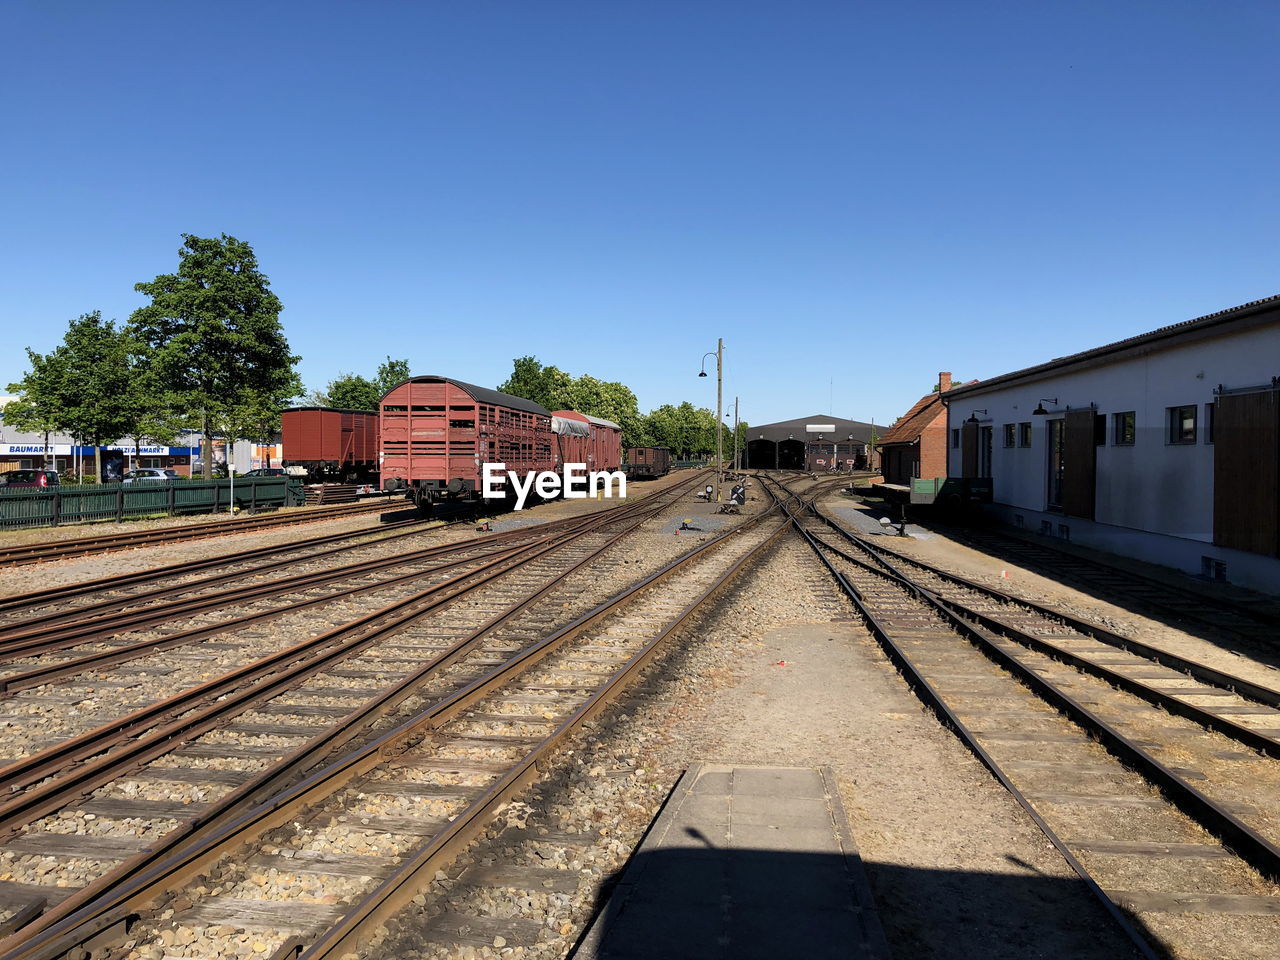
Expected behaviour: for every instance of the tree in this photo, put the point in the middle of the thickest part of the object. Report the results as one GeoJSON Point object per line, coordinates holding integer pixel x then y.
{"type": "Point", "coordinates": [82, 387]}
{"type": "Point", "coordinates": [214, 332]}
{"type": "Point", "coordinates": [149, 408]}
{"type": "Point", "coordinates": [353, 392]}
{"type": "Point", "coordinates": [37, 405]}
{"type": "Point", "coordinates": [391, 373]}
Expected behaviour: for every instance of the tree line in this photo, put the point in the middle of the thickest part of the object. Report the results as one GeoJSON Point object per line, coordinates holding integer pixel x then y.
{"type": "Point", "coordinates": [351, 391]}
{"type": "Point", "coordinates": [206, 353]}
{"type": "Point", "coordinates": [689, 431]}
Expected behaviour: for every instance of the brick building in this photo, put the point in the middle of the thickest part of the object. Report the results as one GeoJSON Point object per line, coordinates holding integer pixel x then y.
{"type": "Point", "coordinates": [916, 446]}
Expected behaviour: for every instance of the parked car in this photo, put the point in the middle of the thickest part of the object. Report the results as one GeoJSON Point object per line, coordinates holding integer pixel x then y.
{"type": "Point", "coordinates": [149, 475]}
{"type": "Point", "coordinates": [29, 478]}
{"type": "Point", "coordinates": [219, 469]}
{"type": "Point", "coordinates": [265, 472]}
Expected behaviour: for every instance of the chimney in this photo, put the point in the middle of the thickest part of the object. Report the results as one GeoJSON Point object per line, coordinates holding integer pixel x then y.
{"type": "Point", "coordinates": [944, 382]}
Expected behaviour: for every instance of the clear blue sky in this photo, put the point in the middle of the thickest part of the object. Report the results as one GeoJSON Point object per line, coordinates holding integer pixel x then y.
{"type": "Point", "coordinates": [870, 192]}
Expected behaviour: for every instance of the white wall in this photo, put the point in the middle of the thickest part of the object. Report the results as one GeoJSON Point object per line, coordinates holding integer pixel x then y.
{"type": "Point", "coordinates": [1152, 486]}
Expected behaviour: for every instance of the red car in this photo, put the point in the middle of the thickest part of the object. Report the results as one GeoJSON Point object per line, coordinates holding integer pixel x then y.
{"type": "Point", "coordinates": [29, 478]}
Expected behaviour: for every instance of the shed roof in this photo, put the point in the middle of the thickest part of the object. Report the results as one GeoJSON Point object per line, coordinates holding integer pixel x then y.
{"type": "Point", "coordinates": [1247, 314]}
{"type": "Point", "coordinates": [785, 429]}
{"type": "Point", "coordinates": [482, 394]}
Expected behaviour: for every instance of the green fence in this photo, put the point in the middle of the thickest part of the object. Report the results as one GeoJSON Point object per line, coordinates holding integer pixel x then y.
{"type": "Point", "coordinates": [80, 503]}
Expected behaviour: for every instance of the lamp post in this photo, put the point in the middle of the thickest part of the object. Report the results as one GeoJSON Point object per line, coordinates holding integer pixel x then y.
{"type": "Point", "coordinates": [719, 355]}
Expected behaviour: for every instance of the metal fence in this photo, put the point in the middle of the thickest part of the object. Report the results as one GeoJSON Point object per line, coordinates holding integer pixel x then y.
{"type": "Point", "coordinates": [79, 503]}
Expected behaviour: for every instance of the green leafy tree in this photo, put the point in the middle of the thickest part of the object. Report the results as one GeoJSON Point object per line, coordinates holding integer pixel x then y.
{"type": "Point", "coordinates": [37, 405]}
{"type": "Point", "coordinates": [529, 380]}
{"type": "Point", "coordinates": [353, 392]}
{"type": "Point", "coordinates": [214, 332]}
{"type": "Point", "coordinates": [149, 407]}
{"type": "Point", "coordinates": [83, 386]}
{"type": "Point", "coordinates": [391, 373]}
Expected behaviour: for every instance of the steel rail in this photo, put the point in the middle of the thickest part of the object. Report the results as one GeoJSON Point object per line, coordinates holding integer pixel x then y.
{"type": "Point", "coordinates": [396, 891]}
{"type": "Point", "coordinates": [107, 904]}
{"type": "Point", "coordinates": [1062, 559]}
{"type": "Point", "coordinates": [277, 671]}
{"type": "Point", "coordinates": [23, 641]}
{"type": "Point", "coordinates": [1204, 673]}
{"type": "Point", "coordinates": [38, 676]}
{"type": "Point", "coordinates": [46, 595]}
{"type": "Point", "coordinates": [394, 532]}
{"type": "Point", "coordinates": [84, 546]}
{"type": "Point", "coordinates": [937, 703]}
{"type": "Point", "coordinates": [1249, 844]}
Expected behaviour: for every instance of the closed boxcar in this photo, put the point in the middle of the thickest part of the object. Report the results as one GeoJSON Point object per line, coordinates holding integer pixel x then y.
{"type": "Point", "coordinates": [572, 439]}
{"type": "Point", "coordinates": [437, 433]}
{"type": "Point", "coordinates": [604, 446]}
{"type": "Point", "coordinates": [648, 463]}
{"type": "Point", "coordinates": [337, 446]}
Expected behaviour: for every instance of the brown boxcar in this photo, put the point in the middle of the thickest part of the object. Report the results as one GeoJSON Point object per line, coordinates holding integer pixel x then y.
{"type": "Point", "coordinates": [331, 445]}
{"type": "Point", "coordinates": [647, 463]}
{"type": "Point", "coordinates": [604, 440]}
{"type": "Point", "coordinates": [572, 439]}
{"type": "Point", "coordinates": [437, 433]}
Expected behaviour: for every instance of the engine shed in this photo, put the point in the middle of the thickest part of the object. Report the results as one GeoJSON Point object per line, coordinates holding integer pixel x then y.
{"type": "Point", "coordinates": [817, 443]}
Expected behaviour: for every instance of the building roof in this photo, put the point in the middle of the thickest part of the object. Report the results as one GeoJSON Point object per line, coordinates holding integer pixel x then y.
{"type": "Point", "coordinates": [911, 424]}
{"type": "Point", "coordinates": [1246, 315]}
{"type": "Point", "coordinates": [482, 394]}
{"type": "Point", "coordinates": [786, 429]}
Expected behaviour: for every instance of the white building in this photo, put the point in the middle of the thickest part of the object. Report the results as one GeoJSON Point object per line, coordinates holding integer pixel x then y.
{"type": "Point", "coordinates": [1164, 446]}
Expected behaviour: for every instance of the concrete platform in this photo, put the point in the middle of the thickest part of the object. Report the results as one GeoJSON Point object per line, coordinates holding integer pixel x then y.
{"type": "Point", "coordinates": [743, 862]}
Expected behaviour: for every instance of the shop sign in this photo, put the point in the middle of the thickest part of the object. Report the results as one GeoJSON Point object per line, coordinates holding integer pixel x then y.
{"type": "Point", "coordinates": [35, 449]}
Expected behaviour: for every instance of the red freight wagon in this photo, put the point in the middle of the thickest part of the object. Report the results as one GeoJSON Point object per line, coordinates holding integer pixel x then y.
{"type": "Point", "coordinates": [437, 433]}
{"type": "Point", "coordinates": [604, 447]}
{"type": "Point", "coordinates": [331, 445]}
{"type": "Point", "coordinates": [645, 463]}
{"type": "Point", "coordinates": [572, 439]}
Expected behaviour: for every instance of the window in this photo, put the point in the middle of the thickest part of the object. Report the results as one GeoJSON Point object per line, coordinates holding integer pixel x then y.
{"type": "Point", "coordinates": [1209, 410]}
{"type": "Point", "coordinates": [1123, 428]}
{"type": "Point", "coordinates": [1099, 429]}
{"type": "Point", "coordinates": [1008, 434]}
{"type": "Point", "coordinates": [1182, 424]}
{"type": "Point", "coordinates": [1024, 434]}
{"type": "Point", "coordinates": [955, 439]}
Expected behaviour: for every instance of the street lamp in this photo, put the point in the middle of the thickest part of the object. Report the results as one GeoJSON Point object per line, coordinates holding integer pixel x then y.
{"type": "Point", "coordinates": [718, 353]}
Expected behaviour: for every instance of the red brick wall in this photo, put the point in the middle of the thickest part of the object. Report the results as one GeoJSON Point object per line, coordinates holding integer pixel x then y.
{"type": "Point", "coordinates": [933, 447]}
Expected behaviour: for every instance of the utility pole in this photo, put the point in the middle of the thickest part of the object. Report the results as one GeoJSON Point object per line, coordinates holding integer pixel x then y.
{"type": "Point", "coordinates": [719, 413]}
{"type": "Point", "coordinates": [737, 467]}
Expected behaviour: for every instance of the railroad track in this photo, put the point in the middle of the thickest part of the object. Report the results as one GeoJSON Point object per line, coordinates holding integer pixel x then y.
{"type": "Point", "coordinates": [107, 543]}
{"type": "Point", "coordinates": [1256, 622]}
{"type": "Point", "coordinates": [242, 668]}
{"type": "Point", "coordinates": [1156, 777]}
{"type": "Point", "coordinates": [347, 829]}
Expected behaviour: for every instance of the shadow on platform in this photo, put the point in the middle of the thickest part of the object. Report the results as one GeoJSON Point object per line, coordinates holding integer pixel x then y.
{"type": "Point", "coordinates": [703, 903]}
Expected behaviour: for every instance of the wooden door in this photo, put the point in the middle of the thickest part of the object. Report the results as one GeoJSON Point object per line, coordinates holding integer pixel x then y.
{"type": "Point", "coordinates": [1080, 466]}
{"type": "Point", "coordinates": [1246, 472]}
{"type": "Point", "coordinates": [969, 450]}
